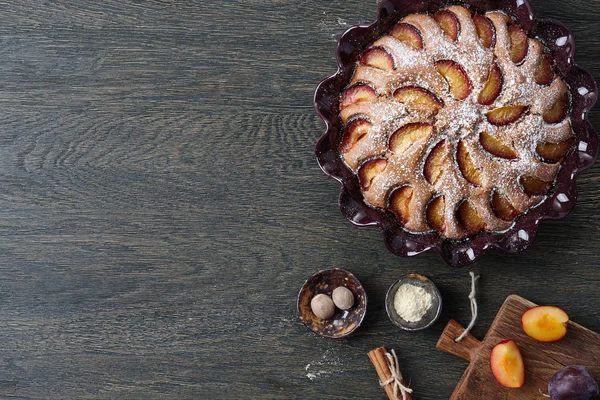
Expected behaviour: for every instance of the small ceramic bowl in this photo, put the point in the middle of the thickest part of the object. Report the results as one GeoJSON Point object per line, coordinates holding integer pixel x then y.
{"type": "Point", "coordinates": [343, 322]}
{"type": "Point", "coordinates": [432, 313]}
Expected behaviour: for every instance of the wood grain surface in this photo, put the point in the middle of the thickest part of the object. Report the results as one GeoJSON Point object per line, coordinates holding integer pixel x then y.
{"type": "Point", "coordinates": [161, 207]}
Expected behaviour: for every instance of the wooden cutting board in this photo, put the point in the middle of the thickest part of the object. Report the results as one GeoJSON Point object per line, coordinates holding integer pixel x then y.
{"type": "Point", "coordinates": [580, 346]}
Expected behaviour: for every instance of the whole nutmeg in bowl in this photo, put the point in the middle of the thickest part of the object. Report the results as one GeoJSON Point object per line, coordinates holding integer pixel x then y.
{"type": "Point", "coordinates": [322, 306]}
{"type": "Point", "coordinates": [327, 289]}
{"type": "Point", "coordinates": [342, 298]}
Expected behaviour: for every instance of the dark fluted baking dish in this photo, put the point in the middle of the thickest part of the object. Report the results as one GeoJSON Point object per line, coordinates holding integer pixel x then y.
{"type": "Point", "coordinates": [557, 203]}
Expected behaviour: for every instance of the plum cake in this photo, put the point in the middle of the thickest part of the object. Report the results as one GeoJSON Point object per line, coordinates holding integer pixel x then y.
{"type": "Point", "coordinates": [455, 122]}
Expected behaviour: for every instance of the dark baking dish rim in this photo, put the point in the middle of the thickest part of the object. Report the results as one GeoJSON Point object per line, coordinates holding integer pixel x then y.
{"type": "Point", "coordinates": [557, 204]}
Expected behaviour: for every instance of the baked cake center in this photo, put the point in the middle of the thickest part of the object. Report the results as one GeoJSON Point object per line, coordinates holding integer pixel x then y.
{"type": "Point", "coordinates": [458, 116]}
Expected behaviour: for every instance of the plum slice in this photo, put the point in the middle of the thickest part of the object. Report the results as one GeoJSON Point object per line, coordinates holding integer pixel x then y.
{"type": "Point", "coordinates": [506, 115]}
{"type": "Point", "coordinates": [408, 35]}
{"type": "Point", "coordinates": [502, 207]}
{"type": "Point", "coordinates": [468, 217]}
{"type": "Point", "coordinates": [496, 147]}
{"type": "Point", "coordinates": [449, 23]}
{"type": "Point", "coordinates": [545, 323]}
{"type": "Point", "coordinates": [419, 96]}
{"type": "Point", "coordinates": [519, 44]}
{"type": "Point", "coordinates": [554, 152]}
{"type": "Point", "coordinates": [379, 58]}
{"type": "Point", "coordinates": [406, 136]}
{"type": "Point", "coordinates": [544, 72]}
{"type": "Point", "coordinates": [435, 214]}
{"type": "Point", "coordinates": [400, 203]}
{"type": "Point", "coordinates": [534, 186]}
{"type": "Point", "coordinates": [558, 111]}
{"type": "Point", "coordinates": [467, 166]}
{"type": "Point", "coordinates": [357, 94]}
{"type": "Point", "coordinates": [369, 171]}
{"type": "Point", "coordinates": [436, 162]}
{"type": "Point", "coordinates": [455, 75]}
{"type": "Point", "coordinates": [355, 131]}
{"type": "Point", "coordinates": [492, 88]}
{"type": "Point", "coordinates": [507, 365]}
{"type": "Point", "coordinates": [485, 30]}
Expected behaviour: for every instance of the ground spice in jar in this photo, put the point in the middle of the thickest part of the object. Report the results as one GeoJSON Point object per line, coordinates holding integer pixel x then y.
{"type": "Point", "coordinates": [411, 302]}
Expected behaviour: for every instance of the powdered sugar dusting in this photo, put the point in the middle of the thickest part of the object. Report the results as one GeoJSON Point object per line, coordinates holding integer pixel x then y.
{"type": "Point", "coordinates": [328, 365]}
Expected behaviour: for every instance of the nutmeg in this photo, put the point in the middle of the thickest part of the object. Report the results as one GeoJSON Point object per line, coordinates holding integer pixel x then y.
{"type": "Point", "coordinates": [322, 306]}
{"type": "Point", "coordinates": [343, 298]}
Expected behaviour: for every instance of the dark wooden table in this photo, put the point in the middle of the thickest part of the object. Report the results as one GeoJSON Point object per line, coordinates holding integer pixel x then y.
{"type": "Point", "coordinates": [161, 207]}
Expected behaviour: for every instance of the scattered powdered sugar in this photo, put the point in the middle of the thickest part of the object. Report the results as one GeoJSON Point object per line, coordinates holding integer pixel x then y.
{"type": "Point", "coordinates": [403, 55]}
{"type": "Point", "coordinates": [341, 22]}
{"type": "Point", "coordinates": [328, 365]}
{"type": "Point", "coordinates": [458, 116]}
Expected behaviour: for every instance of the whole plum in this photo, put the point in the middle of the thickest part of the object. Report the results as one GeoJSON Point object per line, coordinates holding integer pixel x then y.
{"type": "Point", "coordinates": [573, 382]}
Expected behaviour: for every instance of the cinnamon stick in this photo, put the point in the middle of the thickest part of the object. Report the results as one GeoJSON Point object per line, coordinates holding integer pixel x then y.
{"type": "Point", "coordinates": [379, 360]}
